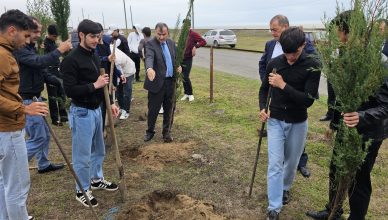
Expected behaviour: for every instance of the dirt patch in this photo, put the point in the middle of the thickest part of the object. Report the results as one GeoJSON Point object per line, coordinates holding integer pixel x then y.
{"type": "Point", "coordinates": [171, 206]}
{"type": "Point", "coordinates": [157, 156]}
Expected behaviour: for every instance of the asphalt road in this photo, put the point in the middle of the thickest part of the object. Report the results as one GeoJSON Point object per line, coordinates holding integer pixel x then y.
{"type": "Point", "coordinates": [240, 63]}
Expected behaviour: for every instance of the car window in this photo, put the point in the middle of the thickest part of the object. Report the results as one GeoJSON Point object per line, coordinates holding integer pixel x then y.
{"type": "Point", "coordinates": [214, 33]}
{"type": "Point", "coordinates": [227, 33]}
{"type": "Point", "coordinates": [207, 33]}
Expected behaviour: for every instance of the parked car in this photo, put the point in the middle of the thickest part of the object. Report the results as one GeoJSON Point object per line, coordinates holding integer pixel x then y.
{"type": "Point", "coordinates": [220, 37]}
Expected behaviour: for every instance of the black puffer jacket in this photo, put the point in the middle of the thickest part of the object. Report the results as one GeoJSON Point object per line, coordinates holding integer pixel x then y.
{"type": "Point", "coordinates": [33, 70]}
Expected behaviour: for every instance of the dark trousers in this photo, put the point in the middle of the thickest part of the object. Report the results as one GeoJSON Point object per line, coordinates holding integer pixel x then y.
{"type": "Point", "coordinates": [361, 189]}
{"type": "Point", "coordinates": [57, 103]}
{"type": "Point", "coordinates": [186, 69]}
{"type": "Point", "coordinates": [330, 100]}
{"type": "Point", "coordinates": [135, 57]}
{"type": "Point", "coordinates": [155, 101]}
{"type": "Point", "coordinates": [124, 94]}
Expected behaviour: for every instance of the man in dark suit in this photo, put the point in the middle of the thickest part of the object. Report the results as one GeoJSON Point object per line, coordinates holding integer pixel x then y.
{"type": "Point", "coordinates": [278, 24]}
{"type": "Point", "coordinates": [159, 62]}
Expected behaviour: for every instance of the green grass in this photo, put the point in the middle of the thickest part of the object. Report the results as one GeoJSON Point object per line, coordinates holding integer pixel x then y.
{"type": "Point", "coordinates": [225, 133]}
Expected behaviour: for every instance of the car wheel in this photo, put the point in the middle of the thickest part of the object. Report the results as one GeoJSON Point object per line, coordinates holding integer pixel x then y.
{"type": "Point", "coordinates": [215, 44]}
{"type": "Point", "coordinates": [232, 45]}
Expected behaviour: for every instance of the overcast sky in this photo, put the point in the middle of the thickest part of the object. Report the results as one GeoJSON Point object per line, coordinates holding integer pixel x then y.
{"type": "Point", "coordinates": [208, 13]}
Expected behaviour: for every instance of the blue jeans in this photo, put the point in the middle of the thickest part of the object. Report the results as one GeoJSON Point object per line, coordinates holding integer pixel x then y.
{"type": "Point", "coordinates": [285, 145]}
{"type": "Point", "coordinates": [14, 176]}
{"type": "Point", "coordinates": [88, 148]}
{"type": "Point", "coordinates": [124, 94]}
{"type": "Point", "coordinates": [38, 141]}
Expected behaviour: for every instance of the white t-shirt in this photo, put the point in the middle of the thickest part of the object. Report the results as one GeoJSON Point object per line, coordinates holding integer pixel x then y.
{"type": "Point", "coordinates": [277, 50]}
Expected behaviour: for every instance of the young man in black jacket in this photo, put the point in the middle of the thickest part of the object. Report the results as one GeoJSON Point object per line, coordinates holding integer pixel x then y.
{"type": "Point", "coordinates": [56, 94]}
{"type": "Point", "coordinates": [294, 88]}
{"type": "Point", "coordinates": [85, 86]}
{"type": "Point", "coordinates": [33, 75]}
{"type": "Point", "coordinates": [371, 120]}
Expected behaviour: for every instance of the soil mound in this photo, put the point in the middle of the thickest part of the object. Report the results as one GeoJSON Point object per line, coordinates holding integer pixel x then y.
{"type": "Point", "coordinates": [172, 206]}
{"type": "Point", "coordinates": [156, 156]}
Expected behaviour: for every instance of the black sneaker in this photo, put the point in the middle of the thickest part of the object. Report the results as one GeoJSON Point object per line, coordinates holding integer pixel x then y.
{"type": "Point", "coordinates": [30, 217]}
{"type": "Point", "coordinates": [81, 198]}
{"type": "Point", "coordinates": [272, 215]}
{"type": "Point", "coordinates": [286, 197]}
{"type": "Point", "coordinates": [105, 185]}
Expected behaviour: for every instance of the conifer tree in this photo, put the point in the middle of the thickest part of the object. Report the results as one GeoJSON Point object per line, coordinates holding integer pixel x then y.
{"type": "Point", "coordinates": [61, 12]}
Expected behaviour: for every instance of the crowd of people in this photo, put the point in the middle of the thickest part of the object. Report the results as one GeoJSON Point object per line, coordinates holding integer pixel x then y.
{"type": "Point", "coordinates": [290, 78]}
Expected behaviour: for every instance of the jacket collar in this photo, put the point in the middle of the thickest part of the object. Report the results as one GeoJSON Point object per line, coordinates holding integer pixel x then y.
{"type": "Point", "coordinates": [85, 51]}
{"type": "Point", "coordinates": [6, 44]}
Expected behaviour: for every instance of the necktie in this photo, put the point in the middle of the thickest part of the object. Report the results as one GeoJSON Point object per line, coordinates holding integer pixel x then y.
{"type": "Point", "coordinates": [167, 57]}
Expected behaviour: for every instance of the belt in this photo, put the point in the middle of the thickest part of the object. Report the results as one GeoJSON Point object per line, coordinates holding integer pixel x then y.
{"type": "Point", "coordinates": [168, 78]}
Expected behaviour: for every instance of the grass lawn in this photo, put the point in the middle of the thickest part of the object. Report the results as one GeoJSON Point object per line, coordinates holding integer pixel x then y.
{"type": "Point", "coordinates": [224, 133]}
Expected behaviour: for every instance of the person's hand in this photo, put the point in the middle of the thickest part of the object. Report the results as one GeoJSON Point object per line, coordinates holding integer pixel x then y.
{"type": "Point", "coordinates": [123, 79]}
{"type": "Point", "coordinates": [179, 69]}
{"type": "Point", "coordinates": [276, 80]}
{"type": "Point", "coordinates": [263, 116]}
{"type": "Point", "coordinates": [101, 81]}
{"type": "Point", "coordinates": [65, 46]}
{"type": "Point", "coordinates": [194, 51]}
{"type": "Point", "coordinates": [36, 108]}
{"type": "Point", "coordinates": [112, 58]}
{"type": "Point", "coordinates": [115, 110]}
{"type": "Point", "coordinates": [151, 74]}
{"type": "Point", "coordinates": [351, 119]}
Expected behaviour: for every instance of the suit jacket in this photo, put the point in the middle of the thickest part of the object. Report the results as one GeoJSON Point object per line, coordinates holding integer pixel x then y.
{"type": "Point", "coordinates": [268, 51]}
{"type": "Point", "coordinates": [154, 59]}
{"type": "Point", "coordinates": [385, 48]}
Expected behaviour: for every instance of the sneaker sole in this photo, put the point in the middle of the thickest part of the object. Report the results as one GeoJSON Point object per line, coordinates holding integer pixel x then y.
{"type": "Point", "coordinates": [97, 188]}
{"type": "Point", "coordinates": [86, 205]}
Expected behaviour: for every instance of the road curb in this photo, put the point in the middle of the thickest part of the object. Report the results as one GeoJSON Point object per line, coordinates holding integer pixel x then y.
{"type": "Point", "coordinates": [237, 49]}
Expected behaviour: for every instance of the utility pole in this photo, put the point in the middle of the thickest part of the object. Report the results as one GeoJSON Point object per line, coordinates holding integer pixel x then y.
{"type": "Point", "coordinates": [125, 14]}
{"type": "Point", "coordinates": [192, 16]}
{"type": "Point", "coordinates": [130, 10]}
{"type": "Point", "coordinates": [83, 17]}
{"type": "Point", "coordinates": [103, 20]}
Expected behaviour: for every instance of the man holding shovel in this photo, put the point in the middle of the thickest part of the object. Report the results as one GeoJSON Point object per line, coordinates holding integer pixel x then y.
{"type": "Point", "coordinates": [84, 85]}
{"type": "Point", "coordinates": [295, 85]}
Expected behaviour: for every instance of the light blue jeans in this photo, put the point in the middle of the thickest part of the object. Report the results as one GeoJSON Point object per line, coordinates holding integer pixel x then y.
{"type": "Point", "coordinates": [14, 176]}
{"type": "Point", "coordinates": [87, 143]}
{"type": "Point", "coordinates": [285, 146]}
{"type": "Point", "coordinates": [38, 141]}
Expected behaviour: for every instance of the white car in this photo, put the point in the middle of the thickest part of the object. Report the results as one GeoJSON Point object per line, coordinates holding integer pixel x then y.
{"type": "Point", "coordinates": [220, 37]}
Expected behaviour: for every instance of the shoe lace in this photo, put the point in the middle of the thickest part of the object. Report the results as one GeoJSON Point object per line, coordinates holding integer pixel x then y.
{"type": "Point", "coordinates": [89, 194]}
{"type": "Point", "coordinates": [105, 182]}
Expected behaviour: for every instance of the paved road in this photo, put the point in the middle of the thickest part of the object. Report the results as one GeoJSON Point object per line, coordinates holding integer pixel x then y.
{"type": "Point", "coordinates": [237, 62]}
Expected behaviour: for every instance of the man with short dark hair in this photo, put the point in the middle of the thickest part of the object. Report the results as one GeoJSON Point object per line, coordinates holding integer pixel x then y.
{"type": "Point", "coordinates": [371, 121]}
{"type": "Point", "coordinates": [294, 88]}
{"type": "Point", "coordinates": [14, 174]}
{"type": "Point", "coordinates": [278, 24]}
{"type": "Point", "coordinates": [85, 86]}
{"type": "Point", "coordinates": [159, 61]}
{"type": "Point", "coordinates": [56, 94]}
{"type": "Point", "coordinates": [33, 75]}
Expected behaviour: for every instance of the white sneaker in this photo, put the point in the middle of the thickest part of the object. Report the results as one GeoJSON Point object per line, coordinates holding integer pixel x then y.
{"type": "Point", "coordinates": [184, 97]}
{"type": "Point", "coordinates": [124, 115]}
{"type": "Point", "coordinates": [161, 111]}
{"type": "Point", "coordinates": [191, 98]}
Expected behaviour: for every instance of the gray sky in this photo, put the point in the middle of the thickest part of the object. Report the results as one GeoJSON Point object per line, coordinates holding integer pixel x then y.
{"type": "Point", "coordinates": [208, 13]}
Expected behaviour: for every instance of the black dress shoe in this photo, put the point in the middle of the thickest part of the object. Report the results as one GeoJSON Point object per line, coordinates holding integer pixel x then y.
{"type": "Point", "coordinates": [148, 137]}
{"type": "Point", "coordinates": [322, 215]}
{"type": "Point", "coordinates": [64, 119]}
{"type": "Point", "coordinates": [167, 138]}
{"type": "Point", "coordinates": [325, 118]}
{"type": "Point", "coordinates": [51, 167]}
{"type": "Point", "coordinates": [286, 197]}
{"type": "Point", "coordinates": [272, 215]}
{"type": "Point", "coordinates": [304, 171]}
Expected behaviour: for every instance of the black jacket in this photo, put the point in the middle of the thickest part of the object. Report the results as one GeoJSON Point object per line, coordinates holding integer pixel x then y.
{"type": "Point", "coordinates": [80, 69]}
{"type": "Point", "coordinates": [123, 45]}
{"type": "Point", "coordinates": [49, 46]}
{"type": "Point", "coordinates": [302, 82]}
{"type": "Point", "coordinates": [33, 70]}
{"type": "Point", "coordinates": [155, 60]}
